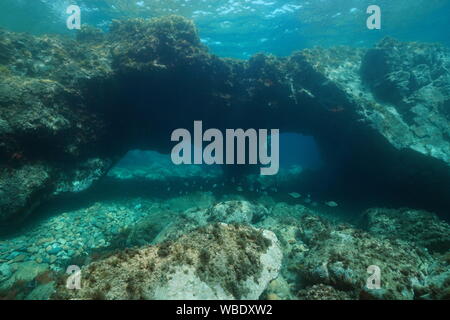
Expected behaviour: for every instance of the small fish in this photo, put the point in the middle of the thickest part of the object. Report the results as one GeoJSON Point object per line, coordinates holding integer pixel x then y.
{"type": "Point", "coordinates": [295, 195]}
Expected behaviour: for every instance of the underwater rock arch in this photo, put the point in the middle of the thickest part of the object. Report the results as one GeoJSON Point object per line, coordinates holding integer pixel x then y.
{"type": "Point", "coordinates": [69, 109]}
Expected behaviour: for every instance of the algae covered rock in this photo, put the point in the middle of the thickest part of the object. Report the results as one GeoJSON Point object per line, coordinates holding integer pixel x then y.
{"type": "Point", "coordinates": [214, 262]}
{"type": "Point", "coordinates": [341, 261]}
{"type": "Point", "coordinates": [48, 129]}
{"type": "Point", "coordinates": [22, 189]}
{"type": "Point", "coordinates": [155, 45]}
{"type": "Point", "coordinates": [64, 103]}
{"type": "Point", "coordinates": [398, 142]}
{"type": "Point", "coordinates": [230, 212]}
{"type": "Point", "coordinates": [437, 284]}
{"type": "Point", "coordinates": [413, 80]}
{"type": "Point", "coordinates": [23, 272]}
{"type": "Point", "coordinates": [422, 228]}
{"type": "Point", "coordinates": [278, 289]}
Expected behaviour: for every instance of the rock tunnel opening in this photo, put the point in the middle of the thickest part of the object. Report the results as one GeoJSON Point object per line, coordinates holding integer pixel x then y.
{"type": "Point", "coordinates": [296, 152]}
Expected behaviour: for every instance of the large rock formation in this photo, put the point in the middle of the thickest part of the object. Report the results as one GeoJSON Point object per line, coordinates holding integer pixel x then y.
{"type": "Point", "coordinates": [155, 252]}
{"type": "Point", "coordinates": [69, 109]}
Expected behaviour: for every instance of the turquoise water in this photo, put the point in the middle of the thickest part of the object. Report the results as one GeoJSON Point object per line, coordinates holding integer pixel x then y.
{"type": "Point", "coordinates": [353, 189]}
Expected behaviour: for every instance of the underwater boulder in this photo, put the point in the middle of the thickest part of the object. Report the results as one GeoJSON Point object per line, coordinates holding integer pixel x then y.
{"type": "Point", "coordinates": [342, 260]}
{"type": "Point", "coordinates": [22, 189]}
{"type": "Point", "coordinates": [156, 45]}
{"type": "Point", "coordinates": [411, 81]}
{"type": "Point", "coordinates": [214, 262]}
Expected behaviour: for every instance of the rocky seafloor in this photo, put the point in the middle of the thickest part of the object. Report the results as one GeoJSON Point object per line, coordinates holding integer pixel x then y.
{"type": "Point", "coordinates": [70, 109]}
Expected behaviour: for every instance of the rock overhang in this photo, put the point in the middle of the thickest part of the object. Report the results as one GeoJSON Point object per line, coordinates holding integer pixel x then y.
{"type": "Point", "coordinates": [65, 104]}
